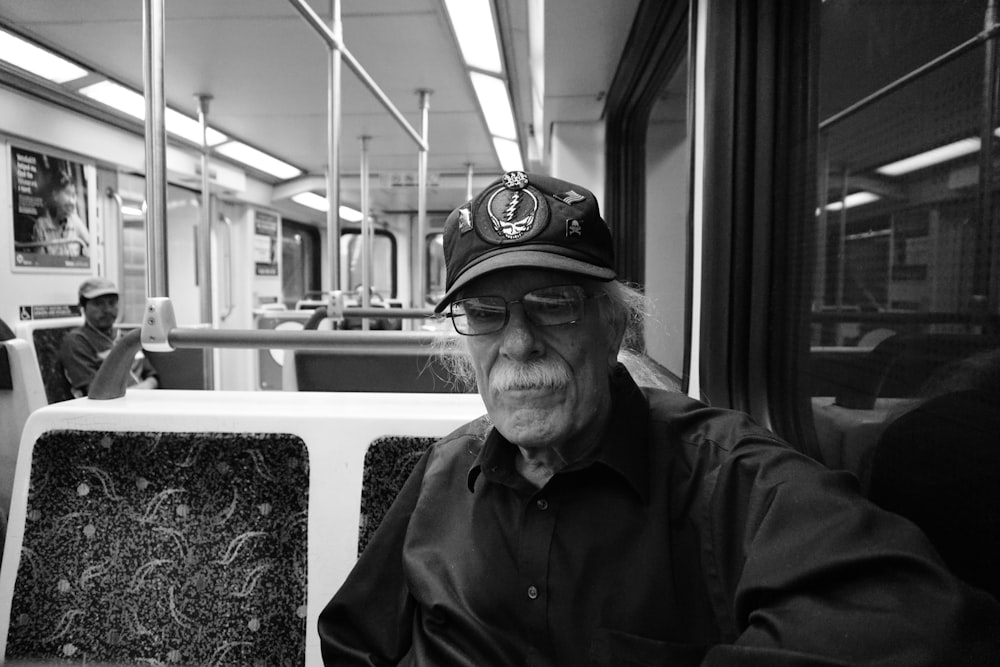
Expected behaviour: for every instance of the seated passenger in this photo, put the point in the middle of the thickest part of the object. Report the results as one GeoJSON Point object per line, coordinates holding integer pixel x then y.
{"type": "Point", "coordinates": [374, 323]}
{"type": "Point", "coordinates": [939, 466]}
{"type": "Point", "coordinates": [85, 348]}
{"type": "Point", "coordinates": [586, 520]}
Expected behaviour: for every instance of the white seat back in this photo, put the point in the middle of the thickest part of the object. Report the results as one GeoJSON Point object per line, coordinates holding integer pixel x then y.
{"type": "Point", "coordinates": [336, 428]}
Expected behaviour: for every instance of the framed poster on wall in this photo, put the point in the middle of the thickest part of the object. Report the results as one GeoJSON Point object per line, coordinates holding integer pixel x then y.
{"type": "Point", "coordinates": [265, 243]}
{"type": "Point", "coordinates": [51, 222]}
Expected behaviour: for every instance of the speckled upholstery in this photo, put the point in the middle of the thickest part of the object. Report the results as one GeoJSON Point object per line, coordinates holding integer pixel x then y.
{"type": "Point", "coordinates": [164, 548]}
{"type": "Point", "coordinates": [47, 343]}
{"type": "Point", "coordinates": [388, 463]}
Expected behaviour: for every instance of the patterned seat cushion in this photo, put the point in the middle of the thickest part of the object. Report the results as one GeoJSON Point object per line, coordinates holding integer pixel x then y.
{"type": "Point", "coordinates": [164, 548]}
{"type": "Point", "coordinates": [47, 343]}
{"type": "Point", "coordinates": [388, 463]}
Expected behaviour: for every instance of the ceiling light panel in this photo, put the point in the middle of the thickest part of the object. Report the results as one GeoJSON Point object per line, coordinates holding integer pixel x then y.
{"type": "Point", "coordinates": [38, 61]}
{"type": "Point", "coordinates": [476, 33]}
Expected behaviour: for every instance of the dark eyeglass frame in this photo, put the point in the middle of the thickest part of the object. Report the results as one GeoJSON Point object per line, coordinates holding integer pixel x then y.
{"type": "Point", "coordinates": [581, 298]}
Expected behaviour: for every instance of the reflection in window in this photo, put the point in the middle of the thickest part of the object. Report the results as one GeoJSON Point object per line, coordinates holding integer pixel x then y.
{"type": "Point", "coordinates": [905, 280]}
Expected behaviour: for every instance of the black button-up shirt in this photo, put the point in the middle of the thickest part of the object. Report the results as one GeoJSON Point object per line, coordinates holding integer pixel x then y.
{"type": "Point", "coordinates": [690, 528]}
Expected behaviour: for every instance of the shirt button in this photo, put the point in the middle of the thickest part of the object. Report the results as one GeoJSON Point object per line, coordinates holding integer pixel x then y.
{"type": "Point", "coordinates": [532, 592]}
{"type": "Point", "coordinates": [543, 504]}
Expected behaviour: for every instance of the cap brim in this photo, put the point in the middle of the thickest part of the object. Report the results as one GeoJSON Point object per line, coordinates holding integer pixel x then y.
{"type": "Point", "coordinates": [100, 292]}
{"type": "Point", "coordinates": [521, 258]}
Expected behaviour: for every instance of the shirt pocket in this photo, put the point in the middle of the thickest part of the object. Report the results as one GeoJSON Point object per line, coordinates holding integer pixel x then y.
{"type": "Point", "coordinates": [621, 649]}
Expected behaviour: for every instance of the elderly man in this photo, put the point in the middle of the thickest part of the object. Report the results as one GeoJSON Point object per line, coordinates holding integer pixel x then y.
{"type": "Point", "coordinates": [588, 521]}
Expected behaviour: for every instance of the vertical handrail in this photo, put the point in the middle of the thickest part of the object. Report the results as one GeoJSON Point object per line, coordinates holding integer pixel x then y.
{"type": "Point", "coordinates": [420, 279]}
{"type": "Point", "coordinates": [204, 259]}
{"type": "Point", "coordinates": [333, 148]}
{"type": "Point", "coordinates": [366, 234]}
{"type": "Point", "coordinates": [228, 256]}
{"type": "Point", "coordinates": [156, 153]}
{"type": "Point", "coordinates": [120, 233]}
{"type": "Point", "coordinates": [984, 298]}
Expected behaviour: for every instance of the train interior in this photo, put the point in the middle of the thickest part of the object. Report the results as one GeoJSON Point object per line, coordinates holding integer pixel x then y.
{"type": "Point", "coordinates": [805, 193]}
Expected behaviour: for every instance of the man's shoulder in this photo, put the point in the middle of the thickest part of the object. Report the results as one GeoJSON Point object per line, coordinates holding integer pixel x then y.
{"type": "Point", "coordinates": [702, 429]}
{"type": "Point", "coordinates": [74, 336]}
{"type": "Point", "coordinates": [465, 440]}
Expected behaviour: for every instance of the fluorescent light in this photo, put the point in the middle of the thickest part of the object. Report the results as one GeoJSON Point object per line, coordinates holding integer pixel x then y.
{"type": "Point", "coordinates": [312, 200]}
{"type": "Point", "coordinates": [509, 154]}
{"type": "Point", "coordinates": [132, 103]}
{"type": "Point", "coordinates": [931, 157]}
{"type": "Point", "coordinates": [190, 129]}
{"type": "Point", "coordinates": [320, 203]}
{"type": "Point", "coordinates": [350, 214]}
{"type": "Point", "coordinates": [492, 94]}
{"type": "Point", "coordinates": [118, 97]}
{"type": "Point", "coordinates": [132, 211]}
{"type": "Point", "coordinates": [476, 33]}
{"type": "Point", "coordinates": [853, 199]}
{"type": "Point", "coordinates": [257, 159]}
{"type": "Point", "coordinates": [36, 60]}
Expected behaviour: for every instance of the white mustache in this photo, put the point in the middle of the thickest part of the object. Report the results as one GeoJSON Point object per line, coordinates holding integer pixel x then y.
{"type": "Point", "coordinates": [531, 375]}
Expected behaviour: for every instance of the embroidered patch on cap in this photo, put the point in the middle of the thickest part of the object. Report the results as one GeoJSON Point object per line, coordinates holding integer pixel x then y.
{"type": "Point", "coordinates": [464, 220]}
{"type": "Point", "coordinates": [512, 212]}
{"type": "Point", "coordinates": [571, 197]}
{"type": "Point", "coordinates": [574, 228]}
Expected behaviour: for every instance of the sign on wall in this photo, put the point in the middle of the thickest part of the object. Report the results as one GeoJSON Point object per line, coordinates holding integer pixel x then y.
{"type": "Point", "coordinates": [51, 222]}
{"type": "Point", "coordinates": [265, 243]}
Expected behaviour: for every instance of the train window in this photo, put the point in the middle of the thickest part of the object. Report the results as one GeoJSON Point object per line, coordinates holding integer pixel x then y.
{"type": "Point", "coordinates": [132, 300]}
{"type": "Point", "coordinates": [299, 261]}
{"type": "Point", "coordinates": [383, 265]}
{"type": "Point", "coordinates": [436, 274]}
{"type": "Point", "coordinates": [905, 276]}
{"type": "Point", "coordinates": [668, 165]}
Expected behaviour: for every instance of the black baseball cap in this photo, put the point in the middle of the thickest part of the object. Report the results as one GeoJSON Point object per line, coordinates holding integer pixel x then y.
{"type": "Point", "coordinates": [530, 221]}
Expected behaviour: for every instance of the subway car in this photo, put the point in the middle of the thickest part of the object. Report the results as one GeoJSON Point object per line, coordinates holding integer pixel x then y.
{"type": "Point", "coordinates": [805, 191]}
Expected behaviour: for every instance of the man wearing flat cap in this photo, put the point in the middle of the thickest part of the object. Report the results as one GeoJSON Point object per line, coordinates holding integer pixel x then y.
{"type": "Point", "coordinates": [586, 520]}
{"type": "Point", "coordinates": [85, 348]}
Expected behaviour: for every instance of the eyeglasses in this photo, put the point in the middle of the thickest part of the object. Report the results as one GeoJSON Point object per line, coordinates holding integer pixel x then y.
{"type": "Point", "coordinates": [544, 307]}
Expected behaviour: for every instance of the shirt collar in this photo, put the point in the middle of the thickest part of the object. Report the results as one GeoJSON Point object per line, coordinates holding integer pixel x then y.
{"type": "Point", "coordinates": [624, 447]}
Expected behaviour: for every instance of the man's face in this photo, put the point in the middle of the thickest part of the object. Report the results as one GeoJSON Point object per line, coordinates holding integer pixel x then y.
{"type": "Point", "coordinates": [64, 202]}
{"type": "Point", "coordinates": [565, 389]}
{"type": "Point", "coordinates": [101, 312]}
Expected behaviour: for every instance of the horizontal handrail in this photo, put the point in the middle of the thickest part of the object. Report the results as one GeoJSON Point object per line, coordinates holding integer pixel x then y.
{"type": "Point", "coordinates": [338, 341]}
{"type": "Point", "coordinates": [904, 318]}
{"type": "Point", "coordinates": [159, 333]}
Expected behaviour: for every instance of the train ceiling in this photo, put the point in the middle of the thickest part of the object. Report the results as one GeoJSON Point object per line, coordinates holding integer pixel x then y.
{"type": "Point", "coordinates": [266, 70]}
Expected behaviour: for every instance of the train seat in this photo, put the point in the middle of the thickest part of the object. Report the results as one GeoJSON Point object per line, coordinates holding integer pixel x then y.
{"type": "Point", "coordinates": [21, 393]}
{"type": "Point", "coordinates": [45, 337]}
{"type": "Point", "coordinates": [388, 462]}
{"type": "Point", "coordinates": [376, 361]}
{"type": "Point", "coordinates": [184, 526]}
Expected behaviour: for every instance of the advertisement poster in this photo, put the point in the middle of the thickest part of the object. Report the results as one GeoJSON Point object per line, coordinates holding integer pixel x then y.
{"type": "Point", "coordinates": [51, 227]}
{"type": "Point", "coordinates": [265, 243]}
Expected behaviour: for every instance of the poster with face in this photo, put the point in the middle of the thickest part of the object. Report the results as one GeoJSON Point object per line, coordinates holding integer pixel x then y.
{"type": "Point", "coordinates": [51, 226]}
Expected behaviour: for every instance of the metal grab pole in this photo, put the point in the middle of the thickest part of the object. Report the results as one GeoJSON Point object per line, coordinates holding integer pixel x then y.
{"type": "Point", "coordinates": [336, 41]}
{"type": "Point", "coordinates": [366, 235]}
{"type": "Point", "coordinates": [156, 154]}
{"type": "Point", "coordinates": [204, 259]}
{"type": "Point", "coordinates": [333, 150]}
{"type": "Point", "coordinates": [420, 279]}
